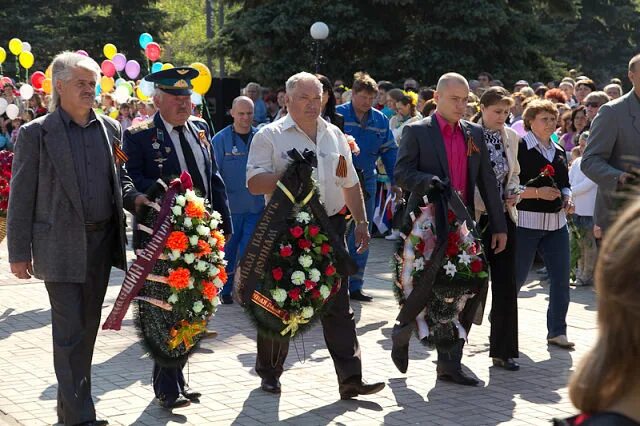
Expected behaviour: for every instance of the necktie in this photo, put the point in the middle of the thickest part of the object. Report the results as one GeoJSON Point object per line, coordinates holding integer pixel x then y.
{"type": "Point", "coordinates": [190, 159]}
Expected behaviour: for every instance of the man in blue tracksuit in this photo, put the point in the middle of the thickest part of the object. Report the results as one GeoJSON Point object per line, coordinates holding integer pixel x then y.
{"type": "Point", "coordinates": [231, 147]}
{"type": "Point", "coordinates": [370, 128]}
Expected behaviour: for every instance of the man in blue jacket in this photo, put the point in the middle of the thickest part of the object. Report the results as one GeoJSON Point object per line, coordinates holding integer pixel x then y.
{"type": "Point", "coordinates": [231, 147]}
{"type": "Point", "coordinates": [370, 128]}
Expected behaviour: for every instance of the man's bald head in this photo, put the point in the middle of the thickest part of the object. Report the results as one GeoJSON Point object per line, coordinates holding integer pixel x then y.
{"type": "Point", "coordinates": [449, 79]}
{"type": "Point", "coordinates": [242, 99]}
{"type": "Point", "coordinates": [242, 113]}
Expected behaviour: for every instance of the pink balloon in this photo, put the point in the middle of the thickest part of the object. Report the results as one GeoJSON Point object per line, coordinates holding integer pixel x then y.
{"type": "Point", "coordinates": [119, 60]}
{"type": "Point", "coordinates": [37, 78]}
{"type": "Point", "coordinates": [132, 69]}
{"type": "Point", "coordinates": [82, 52]}
{"type": "Point", "coordinates": [108, 68]}
{"type": "Point", "coordinates": [152, 51]}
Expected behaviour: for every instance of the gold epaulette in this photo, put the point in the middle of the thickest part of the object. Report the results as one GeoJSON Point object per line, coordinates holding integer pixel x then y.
{"type": "Point", "coordinates": [145, 125]}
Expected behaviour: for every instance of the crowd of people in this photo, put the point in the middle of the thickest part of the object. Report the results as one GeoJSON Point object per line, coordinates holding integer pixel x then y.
{"type": "Point", "coordinates": [538, 167]}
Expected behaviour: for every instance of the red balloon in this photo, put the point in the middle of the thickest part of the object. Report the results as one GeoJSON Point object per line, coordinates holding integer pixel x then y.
{"type": "Point", "coordinates": [37, 78]}
{"type": "Point", "coordinates": [152, 51]}
{"type": "Point", "coordinates": [108, 68]}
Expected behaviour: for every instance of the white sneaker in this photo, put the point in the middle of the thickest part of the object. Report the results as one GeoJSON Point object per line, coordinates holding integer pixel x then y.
{"type": "Point", "coordinates": [393, 236]}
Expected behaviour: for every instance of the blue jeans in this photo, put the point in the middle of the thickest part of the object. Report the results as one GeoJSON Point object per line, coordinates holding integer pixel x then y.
{"type": "Point", "coordinates": [355, 281]}
{"type": "Point", "coordinates": [554, 247]}
{"type": "Point", "coordinates": [243, 226]}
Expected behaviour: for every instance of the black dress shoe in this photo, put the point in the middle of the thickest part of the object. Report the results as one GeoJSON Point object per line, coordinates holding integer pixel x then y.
{"type": "Point", "coordinates": [351, 390]}
{"type": "Point", "coordinates": [271, 385]}
{"type": "Point", "coordinates": [458, 377]}
{"type": "Point", "coordinates": [190, 394]}
{"type": "Point", "coordinates": [508, 364]}
{"type": "Point", "coordinates": [226, 299]}
{"type": "Point", "coordinates": [400, 336]}
{"type": "Point", "coordinates": [90, 423]}
{"type": "Point", "coordinates": [179, 402]}
{"type": "Point", "coordinates": [360, 296]}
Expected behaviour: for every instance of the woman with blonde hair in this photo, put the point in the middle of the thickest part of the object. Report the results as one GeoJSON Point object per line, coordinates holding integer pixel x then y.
{"type": "Point", "coordinates": [606, 384]}
{"type": "Point", "coordinates": [406, 112]}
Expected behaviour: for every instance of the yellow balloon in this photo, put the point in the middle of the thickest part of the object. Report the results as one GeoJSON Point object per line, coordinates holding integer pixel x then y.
{"type": "Point", "coordinates": [107, 83]}
{"type": "Point", "coordinates": [46, 86]}
{"type": "Point", "coordinates": [202, 83]}
{"type": "Point", "coordinates": [26, 59]}
{"type": "Point", "coordinates": [3, 54]}
{"type": "Point", "coordinates": [114, 114]}
{"type": "Point", "coordinates": [48, 73]}
{"type": "Point", "coordinates": [15, 46]}
{"type": "Point", "coordinates": [109, 50]}
{"type": "Point", "coordinates": [141, 95]}
{"type": "Point", "coordinates": [166, 66]}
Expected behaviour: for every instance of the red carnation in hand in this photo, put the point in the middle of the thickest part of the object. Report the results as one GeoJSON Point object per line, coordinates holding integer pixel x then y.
{"type": "Point", "coordinates": [452, 250]}
{"type": "Point", "coordinates": [304, 244]}
{"type": "Point", "coordinates": [296, 231]}
{"type": "Point", "coordinates": [476, 266]}
{"type": "Point", "coordinates": [277, 273]}
{"type": "Point", "coordinates": [325, 249]}
{"type": "Point", "coordinates": [314, 230]}
{"type": "Point", "coordinates": [330, 270]}
{"type": "Point", "coordinates": [286, 251]}
{"type": "Point", "coordinates": [315, 294]}
{"type": "Point", "coordinates": [308, 284]}
{"type": "Point", "coordinates": [420, 247]}
{"type": "Point", "coordinates": [294, 294]}
{"type": "Point", "coordinates": [548, 170]}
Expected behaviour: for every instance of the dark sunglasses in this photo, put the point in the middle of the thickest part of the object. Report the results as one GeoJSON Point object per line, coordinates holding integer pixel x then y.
{"type": "Point", "coordinates": [592, 104]}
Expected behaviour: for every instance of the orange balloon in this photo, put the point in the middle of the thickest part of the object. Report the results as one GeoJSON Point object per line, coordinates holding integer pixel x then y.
{"type": "Point", "coordinates": [46, 86]}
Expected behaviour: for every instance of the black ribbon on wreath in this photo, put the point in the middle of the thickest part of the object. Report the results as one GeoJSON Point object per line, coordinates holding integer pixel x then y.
{"type": "Point", "coordinates": [252, 280]}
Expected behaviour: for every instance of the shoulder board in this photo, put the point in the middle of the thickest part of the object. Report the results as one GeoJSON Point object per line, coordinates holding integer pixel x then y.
{"type": "Point", "coordinates": [198, 119]}
{"type": "Point", "coordinates": [145, 125]}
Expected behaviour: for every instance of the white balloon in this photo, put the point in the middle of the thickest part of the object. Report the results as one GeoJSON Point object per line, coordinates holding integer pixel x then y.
{"type": "Point", "coordinates": [319, 31]}
{"type": "Point", "coordinates": [146, 87]}
{"type": "Point", "coordinates": [12, 111]}
{"type": "Point", "coordinates": [26, 46]}
{"type": "Point", "coordinates": [3, 105]}
{"type": "Point", "coordinates": [26, 92]}
{"type": "Point", "coordinates": [120, 81]}
{"type": "Point", "coordinates": [196, 98]}
{"type": "Point", "coordinates": [121, 94]}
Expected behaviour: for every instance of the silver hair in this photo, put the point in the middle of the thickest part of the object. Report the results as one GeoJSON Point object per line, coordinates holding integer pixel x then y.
{"type": "Point", "coordinates": [61, 68]}
{"type": "Point", "coordinates": [301, 76]}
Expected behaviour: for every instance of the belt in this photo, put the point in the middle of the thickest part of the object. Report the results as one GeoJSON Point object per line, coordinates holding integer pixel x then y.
{"type": "Point", "coordinates": [97, 226]}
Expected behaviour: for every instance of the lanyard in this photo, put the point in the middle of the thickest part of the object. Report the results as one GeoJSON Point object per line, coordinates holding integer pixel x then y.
{"type": "Point", "coordinates": [234, 135]}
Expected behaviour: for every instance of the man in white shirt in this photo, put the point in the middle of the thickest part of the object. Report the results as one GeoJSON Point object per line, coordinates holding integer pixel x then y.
{"type": "Point", "coordinates": [303, 129]}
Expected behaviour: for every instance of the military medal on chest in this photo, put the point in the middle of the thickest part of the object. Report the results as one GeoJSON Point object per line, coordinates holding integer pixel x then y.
{"type": "Point", "coordinates": [157, 152]}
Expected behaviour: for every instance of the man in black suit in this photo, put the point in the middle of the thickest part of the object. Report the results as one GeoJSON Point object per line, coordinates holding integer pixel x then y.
{"type": "Point", "coordinates": [162, 147]}
{"type": "Point", "coordinates": [434, 150]}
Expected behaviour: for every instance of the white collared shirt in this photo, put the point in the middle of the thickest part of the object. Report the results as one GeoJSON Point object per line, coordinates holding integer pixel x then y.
{"type": "Point", "coordinates": [195, 147]}
{"type": "Point", "coordinates": [268, 154]}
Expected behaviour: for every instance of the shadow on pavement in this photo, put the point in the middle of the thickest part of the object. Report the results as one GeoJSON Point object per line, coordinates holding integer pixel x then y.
{"type": "Point", "coordinates": [23, 321]}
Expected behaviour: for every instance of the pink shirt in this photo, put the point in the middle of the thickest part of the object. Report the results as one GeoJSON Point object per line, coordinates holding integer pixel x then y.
{"type": "Point", "coordinates": [456, 149]}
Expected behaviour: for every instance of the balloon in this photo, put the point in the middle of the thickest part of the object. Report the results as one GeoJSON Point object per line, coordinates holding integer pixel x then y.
{"type": "Point", "coordinates": [47, 72]}
{"type": "Point", "coordinates": [144, 39]}
{"type": "Point", "coordinates": [98, 90]}
{"type": "Point", "coordinates": [139, 94]}
{"type": "Point", "coordinates": [196, 98]}
{"type": "Point", "coordinates": [37, 78]}
{"type": "Point", "coordinates": [152, 51]}
{"type": "Point", "coordinates": [132, 69]}
{"type": "Point", "coordinates": [109, 50]}
{"type": "Point", "coordinates": [6, 80]}
{"type": "Point", "coordinates": [26, 46]}
{"type": "Point", "coordinates": [120, 81]}
{"type": "Point", "coordinates": [146, 87]}
{"type": "Point", "coordinates": [26, 91]}
{"type": "Point", "coordinates": [3, 105]}
{"type": "Point", "coordinates": [167, 66]}
{"type": "Point", "coordinates": [15, 46]}
{"type": "Point", "coordinates": [156, 66]}
{"type": "Point", "coordinates": [126, 85]}
{"type": "Point", "coordinates": [108, 68]}
{"type": "Point", "coordinates": [3, 55]}
{"type": "Point", "coordinates": [106, 83]}
{"type": "Point", "coordinates": [47, 85]}
{"type": "Point", "coordinates": [121, 94]}
{"type": "Point", "coordinates": [202, 83]}
{"type": "Point", "coordinates": [26, 59]}
{"type": "Point", "coordinates": [119, 60]}
{"type": "Point", "coordinates": [114, 114]}
{"type": "Point", "coordinates": [82, 52]}
{"type": "Point", "coordinates": [12, 111]}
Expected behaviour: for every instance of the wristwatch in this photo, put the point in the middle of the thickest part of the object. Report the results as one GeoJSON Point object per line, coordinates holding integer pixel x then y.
{"type": "Point", "coordinates": [362, 222]}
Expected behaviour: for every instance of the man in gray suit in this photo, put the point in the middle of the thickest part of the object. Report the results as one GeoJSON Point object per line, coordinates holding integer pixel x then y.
{"type": "Point", "coordinates": [66, 216]}
{"type": "Point", "coordinates": [612, 157]}
{"type": "Point", "coordinates": [433, 151]}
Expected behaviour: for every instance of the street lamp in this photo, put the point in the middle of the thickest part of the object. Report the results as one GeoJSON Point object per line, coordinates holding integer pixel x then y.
{"type": "Point", "coordinates": [319, 31]}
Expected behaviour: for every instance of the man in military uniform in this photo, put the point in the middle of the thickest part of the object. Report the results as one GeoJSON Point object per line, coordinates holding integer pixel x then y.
{"type": "Point", "coordinates": [171, 142]}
